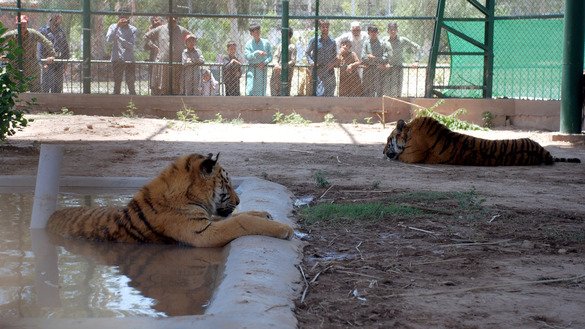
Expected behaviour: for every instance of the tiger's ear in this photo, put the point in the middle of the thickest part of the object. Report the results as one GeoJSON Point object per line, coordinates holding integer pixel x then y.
{"type": "Point", "coordinates": [400, 125]}
{"type": "Point", "coordinates": [208, 164]}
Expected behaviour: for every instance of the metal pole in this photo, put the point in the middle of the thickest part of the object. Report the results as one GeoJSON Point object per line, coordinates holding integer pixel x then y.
{"type": "Point", "coordinates": [170, 82]}
{"type": "Point", "coordinates": [434, 49]}
{"type": "Point", "coordinates": [284, 54]}
{"type": "Point", "coordinates": [86, 47]}
{"type": "Point", "coordinates": [316, 52]}
{"type": "Point", "coordinates": [20, 61]}
{"type": "Point", "coordinates": [572, 85]}
{"type": "Point", "coordinates": [488, 59]}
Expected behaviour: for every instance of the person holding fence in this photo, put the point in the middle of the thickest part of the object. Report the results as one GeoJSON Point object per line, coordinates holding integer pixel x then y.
{"type": "Point", "coordinates": [192, 60]}
{"type": "Point", "coordinates": [258, 53]}
{"type": "Point", "coordinates": [350, 84]}
{"type": "Point", "coordinates": [30, 39]}
{"type": "Point", "coordinates": [394, 74]}
{"type": "Point", "coordinates": [152, 48]}
{"type": "Point", "coordinates": [122, 35]}
{"type": "Point", "coordinates": [232, 70]}
{"type": "Point", "coordinates": [208, 85]}
{"type": "Point", "coordinates": [323, 54]}
{"type": "Point", "coordinates": [275, 83]}
{"type": "Point", "coordinates": [163, 38]}
{"type": "Point", "coordinates": [375, 57]}
{"type": "Point", "coordinates": [52, 78]}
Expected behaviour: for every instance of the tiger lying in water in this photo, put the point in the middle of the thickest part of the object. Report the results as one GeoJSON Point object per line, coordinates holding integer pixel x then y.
{"type": "Point", "coordinates": [189, 203]}
{"type": "Point", "coordinates": [425, 140]}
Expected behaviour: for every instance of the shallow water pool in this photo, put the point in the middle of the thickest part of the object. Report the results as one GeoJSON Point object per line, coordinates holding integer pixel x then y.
{"type": "Point", "coordinates": [42, 275]}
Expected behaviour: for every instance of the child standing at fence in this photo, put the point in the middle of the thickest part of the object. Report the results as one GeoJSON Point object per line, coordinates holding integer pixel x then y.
{"type": "Point", "coordinates": [208, 85]}
{"type": "Point", "coordinates": [232, 70]}
{"type": "Point", "coordinates": [350, 84]}
{"type": "Point", "coordinates": [192, 60]}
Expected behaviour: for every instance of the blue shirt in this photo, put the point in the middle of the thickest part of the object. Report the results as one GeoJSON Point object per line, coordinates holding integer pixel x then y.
{"type": "Point", "coordinates": [327, 51]}
{"type": "Point", "coordinates": [123, 39]}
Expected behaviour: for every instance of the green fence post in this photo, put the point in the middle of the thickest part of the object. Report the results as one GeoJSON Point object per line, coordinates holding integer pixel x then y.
{"type": "Point", "coordinates": [316, 53]}
{"type": "Point", "coordinates": [86, 47]}
{"type": "Point", "coordinates": [284, 53]}
{"type": "Point", "coordinates": [571, 89]}
{"type": "Point", "coordinates": [432, 66]}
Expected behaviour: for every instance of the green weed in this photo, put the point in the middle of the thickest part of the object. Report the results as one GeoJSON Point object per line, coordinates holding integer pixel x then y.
{"type": "Point", "coordinates": [293, 118]}
{"type": "Point", "coordinates": [320, 179]}
{"type": "Point", "coordinates": [451, 121]}
{"type": "Point", "coordinates": [130, 110]}
{"type": "Point", "coordinates": [329, 119]}
{"type": "Point", "coordinates": [347, 212]}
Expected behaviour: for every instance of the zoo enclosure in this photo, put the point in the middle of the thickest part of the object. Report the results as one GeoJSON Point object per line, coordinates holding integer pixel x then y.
{"type": "Point", "coordinates": [527, 50]}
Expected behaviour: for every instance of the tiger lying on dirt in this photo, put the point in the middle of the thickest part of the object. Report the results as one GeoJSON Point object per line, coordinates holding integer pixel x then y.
{"type": "Point", "coordinates": [425, 140]}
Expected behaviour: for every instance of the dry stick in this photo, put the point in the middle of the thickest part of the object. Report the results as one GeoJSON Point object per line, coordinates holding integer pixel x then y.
{"type": "Point", "coordinates": [439, 261]}
{"type": "Point", "coordinates": [402, 101]}
{"type": "Point", "coordinates": [322, 195]}
{"type": "Point", "coordinates": [306, 285]}
{"type": "Point", "coordinates": [301, 151]}
{"type": "Point", "coordinates": [418, 229]}
{"type": "Point", "coordinates": [356, 273]}
{"type": "Point", "coordinates": [474, 243]}
{"type": "Point", "coordinates": [495, 286]}
{"type": "Point", "coordinates": [358, 249]}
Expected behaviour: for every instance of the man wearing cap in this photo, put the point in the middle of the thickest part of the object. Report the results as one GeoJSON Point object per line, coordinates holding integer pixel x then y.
{"type": "Point", "coordinates": [159, 39]}
{"type": "Point", "coordinates": [52, 81]}
{"type": "Point", "coordinates": [122, 35]}
{"type": "Point", "coordinates": [323, 54]}
{"type": "Point", "coordinates": [258, 53]}
{"type": "Point", "coordinates": [393, 81]}
{"type": "Point", "coordinates": [375, 56]}
{"type": "Point", "coordinates": [30, 39]}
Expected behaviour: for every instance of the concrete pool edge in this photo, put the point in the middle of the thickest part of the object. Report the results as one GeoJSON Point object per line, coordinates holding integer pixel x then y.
{"type": "Point", "coordinates": [261, 278]}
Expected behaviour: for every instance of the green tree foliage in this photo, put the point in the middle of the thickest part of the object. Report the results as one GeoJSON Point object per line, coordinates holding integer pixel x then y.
{"type": "Point", "coordinates": [12, 83]}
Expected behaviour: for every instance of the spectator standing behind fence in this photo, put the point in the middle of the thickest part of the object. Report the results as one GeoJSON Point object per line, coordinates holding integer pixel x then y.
{"type": "Point", "coordinates": [357, 37]}
{"type": "Point", "coordinates": [52, 78]}
{"type": "Point", "coordinates": [375, 57]}
{"type": "Point", "coordinates": [192, 60]}
{"type": "Point", "coordinates": [30, 39]}
{"type": "Point", "coordinates": [350, 84]}
{"type": "Point", "coordinates": [122, 36]}
{"type": "Point", "coordinates": [393, 81]}
{"type": "Point", "coordinates": [160, 39]}
{"type": "Point", "coordinates": [152, 48]}
{"type": "Point", "coordinates": [326, 53]}
{"type": "Point", "coordinates": [232, 70]}
{"type": "Point", "coordinates": [208, 85]}
{"type": "Point", "coordinates": [258, 53]}
{"type": "Point", "coordinates": [275, 83]}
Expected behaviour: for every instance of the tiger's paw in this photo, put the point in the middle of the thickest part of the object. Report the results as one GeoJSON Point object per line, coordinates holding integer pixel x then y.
{"type": "Point", "coordinates": [263, 214]}
{"type": "Point", "coordinates": [288, 233]}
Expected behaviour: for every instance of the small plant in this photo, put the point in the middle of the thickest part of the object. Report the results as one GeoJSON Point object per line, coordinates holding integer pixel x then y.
{"type": "Point", "coordinates": [237, 121]}
{"type": "Point", "coordinates": [66, 111]}
{"type": "Point", "coordinates": [354, 122]}
{"type": "Point", "coordinates": [347, 212]}
{"type": "Point", "coordinates": [217, 119]}
{"type": "Point", "coordinates": [376, 185]}
{"type": "Point", "coordinates": [329, 119]}
{"type": "Point", "coordinates": [130, 110]}
{"type": "Point", "coordinates": [293, 118]}
{"type": "Point", "coordinates": [320, 179]}
{"type": "Point", "coordinates": [369, 120]}
{"type": "Point", "coordinates": [12, 83]}
{"type": "Point", "coordinates": [451, 121]}
{"type": "Point", "coordinates": [187, 115]}
{"type": "Point", "coordinates": [488, 119]}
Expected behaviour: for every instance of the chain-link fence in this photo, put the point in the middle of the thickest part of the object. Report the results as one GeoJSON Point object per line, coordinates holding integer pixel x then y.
{"type": "Point", "coordinates": [207, 47]}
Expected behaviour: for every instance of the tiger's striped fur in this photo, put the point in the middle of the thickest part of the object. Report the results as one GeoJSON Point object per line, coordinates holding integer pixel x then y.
{"type": "Point", "coordinates": [425, 140]}
{"type": "Point", "coordinates": [189, 203]}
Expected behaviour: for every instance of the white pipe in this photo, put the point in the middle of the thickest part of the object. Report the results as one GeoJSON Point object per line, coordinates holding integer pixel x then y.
{"type": "Point", "coordinates": [47, 185]}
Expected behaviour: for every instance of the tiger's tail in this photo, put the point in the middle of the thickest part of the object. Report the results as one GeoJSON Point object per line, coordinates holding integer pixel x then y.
{"type": "Point", "coordinates": [570, 160]}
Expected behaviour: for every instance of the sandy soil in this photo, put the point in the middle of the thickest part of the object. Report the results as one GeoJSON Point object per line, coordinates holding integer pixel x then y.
{"type": "Point", "coordinates": [509, 261]}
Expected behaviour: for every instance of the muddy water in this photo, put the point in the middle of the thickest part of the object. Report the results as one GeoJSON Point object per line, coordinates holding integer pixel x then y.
{"type": "Point", "coordinates": [42, 275]}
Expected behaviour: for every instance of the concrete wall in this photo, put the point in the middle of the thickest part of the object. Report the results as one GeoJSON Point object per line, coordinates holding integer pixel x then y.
{"type": "Point", "coordinates": [521, 113]}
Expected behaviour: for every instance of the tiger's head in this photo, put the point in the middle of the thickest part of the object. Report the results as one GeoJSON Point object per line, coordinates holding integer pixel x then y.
{"type": "Point", "coordinates": [396, 142]}
{"type": "Point", "coordinates": [197, 181]}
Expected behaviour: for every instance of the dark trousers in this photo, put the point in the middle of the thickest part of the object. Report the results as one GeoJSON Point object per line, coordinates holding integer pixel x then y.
{"type": "Point", "coordinates": [124, 70]}
{"type": "Point", "coordinates": [52, 79]}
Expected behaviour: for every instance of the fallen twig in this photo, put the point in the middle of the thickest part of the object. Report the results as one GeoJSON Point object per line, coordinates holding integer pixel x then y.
{"type": "Point", "coordinates": [359, 274]}
{"type": "Point", "coordinates": [438, 261]}
{"type": "Point", "coordinates": [358, 249]}
{"type": "Point", "coordinates": [493, 217]}
{"type": "Point", "coordinates": [474, 243]}
{"type": "Point", "coordinates": [495, 286]}
{"type": "Point", "coordinates": [322, 195]}
{"type": "Point", "coordinates": [418, 229]}
{"type": "Point", "coordinates": [306, 285]}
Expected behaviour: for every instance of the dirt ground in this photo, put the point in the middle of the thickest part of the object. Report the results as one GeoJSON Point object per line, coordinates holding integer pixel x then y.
{"type": "Point", "coordinates": [510, 256]}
